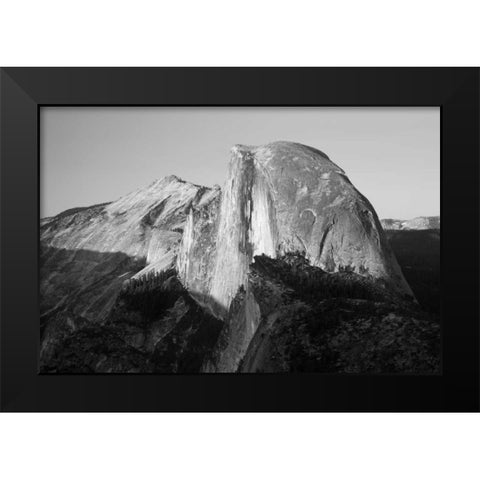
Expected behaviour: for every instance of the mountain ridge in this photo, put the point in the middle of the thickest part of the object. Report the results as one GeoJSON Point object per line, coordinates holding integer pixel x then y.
{"type": "Point", "coordinates": [279, 200]}
{"type": "Point", "coordinates": [416, 223]}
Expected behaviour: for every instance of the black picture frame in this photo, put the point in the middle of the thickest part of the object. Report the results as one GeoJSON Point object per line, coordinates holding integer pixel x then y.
{"type": "Point", "coordinates": [25, 90]}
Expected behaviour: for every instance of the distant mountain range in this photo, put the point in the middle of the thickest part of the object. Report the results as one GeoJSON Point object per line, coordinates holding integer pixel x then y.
{"type": "Point", "coordinates": [417, 223]}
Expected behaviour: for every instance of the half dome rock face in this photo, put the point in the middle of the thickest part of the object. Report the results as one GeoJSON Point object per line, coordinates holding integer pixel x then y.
{"type": "Point", "coordinates": [322, 215]}
{"type": "Point", "coordinates": [270, 273]}
{"type": "Point", "coordinates": [289, 198]}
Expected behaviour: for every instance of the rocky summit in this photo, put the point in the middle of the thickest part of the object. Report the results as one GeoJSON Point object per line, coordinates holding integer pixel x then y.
{"type": "Point", "coordinates": [177, 277]}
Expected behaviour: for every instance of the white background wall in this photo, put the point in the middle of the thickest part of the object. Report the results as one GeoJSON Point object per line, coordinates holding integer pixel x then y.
{"type": "Point", "coordinates": [239, 446]}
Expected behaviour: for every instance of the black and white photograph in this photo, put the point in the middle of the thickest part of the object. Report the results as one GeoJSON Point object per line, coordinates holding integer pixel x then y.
{"type": "Point", "coordinates": [196, 240]}
{"type": "Point", "coordinates": [239, 240]}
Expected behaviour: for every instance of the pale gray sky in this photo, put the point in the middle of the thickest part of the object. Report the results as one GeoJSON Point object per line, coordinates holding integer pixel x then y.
{"type": "Point", "coordinates": [97, 154]}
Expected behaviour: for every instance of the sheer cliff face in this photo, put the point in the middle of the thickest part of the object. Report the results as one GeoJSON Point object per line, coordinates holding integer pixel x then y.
{"type": "Point", "coordinates": [247, 226]}
{"type": "Point", "coordinates": [286, 197]}
{"type": "Point", "coordinates": [197, 252]}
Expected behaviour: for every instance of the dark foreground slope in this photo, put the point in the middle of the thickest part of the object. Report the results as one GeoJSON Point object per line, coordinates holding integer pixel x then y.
{"type": "Point", "coordinates": [308, 321]}
{"type": "Point", "coordinates": [418, 254]}
{"type": "Point", "coordinates": [304, 319]}
{"type": "Point", "coordinates": [312, 321]}
{"type": "Point", "coordinates": [154, 327]}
